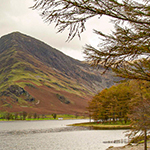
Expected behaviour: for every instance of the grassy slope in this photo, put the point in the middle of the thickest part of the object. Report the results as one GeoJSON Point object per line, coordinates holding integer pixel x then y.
{"type": "Point", "coordinates": [28, 76]}
{"type": "Point", "coordinates": [44, 72]}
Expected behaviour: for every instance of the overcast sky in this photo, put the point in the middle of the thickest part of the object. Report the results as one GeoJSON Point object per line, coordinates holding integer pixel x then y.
{"type": "Point", "coordinates": [15, 15]}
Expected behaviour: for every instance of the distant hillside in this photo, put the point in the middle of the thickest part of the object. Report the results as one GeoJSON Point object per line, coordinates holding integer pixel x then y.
{"type": "Point", "coordinates": [35, 77]}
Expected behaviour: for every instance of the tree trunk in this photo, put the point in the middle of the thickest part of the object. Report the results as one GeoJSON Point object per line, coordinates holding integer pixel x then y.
{"type": "Point", "coordinates": [145, 139]}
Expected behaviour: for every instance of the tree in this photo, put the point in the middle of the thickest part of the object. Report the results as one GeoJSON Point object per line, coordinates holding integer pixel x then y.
{"type": "Point", "coordinates": [29, 116]}
{"type": "Point", "coordinates": [126, 50]}
{"type": "Point", "coordinates": [140, 112]}
{"type": "Point", "coordinates": [35, 115]}
{"type": "Point", "coordinates": [8, 116]}
{"type": "Point", "coordinates": [54, 115]}
{"type": "Point", "coordinates": [129, 41]}
{"type": "Point", "coordinates": [97, 107]}
{"type": "Point", "coordinates": [140, 118]}
{"type": "Point", "coordinates": [16, 116]}
{"type": "Point", "coordinates": [24, 114]}
{"type": "Point", "coordinates": [112, 104]}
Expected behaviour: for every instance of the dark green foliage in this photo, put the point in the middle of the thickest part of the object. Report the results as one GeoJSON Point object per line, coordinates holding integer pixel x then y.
{"type": "Point", "coordinates": [43, 116]}
{"type": "Point", "coordinates": [30, 85]}
{"type": "Point", "coordinates": [35, 115]}
{"type": "Point", "coordinates": [29, 116]}
{"type": "Point", "coordinates": [8, 116]}
{"type": "Point", "coordinates": [62, 99]}
{"type": "Point", "coordinates": [54, 115]}
{"type": "Point", "coordinates": [48, 86]}
{"type": "Point", "coordinates": [76, 115]}
{"type": "Point", "coordinates": [16, 116]}
{"type": "Point", "coordinates": [5, 93]}
{"type": "Point", "coordinates": [55, 83]}
{"type": "Point", "coordinates": [76, 89]}
{"type": "Point", "coordinates": [24, 114]}
{"type": "Point", "coordinates": [15, 91]}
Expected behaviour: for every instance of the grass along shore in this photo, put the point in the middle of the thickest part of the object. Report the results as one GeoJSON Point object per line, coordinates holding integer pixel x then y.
{"type": "Point", "coordinates": [34, 116]}
{"type": "Point", "coordinates": [106, 126]}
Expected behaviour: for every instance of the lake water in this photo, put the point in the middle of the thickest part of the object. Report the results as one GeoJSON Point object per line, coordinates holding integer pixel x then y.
{"type": "Point", "coordinates": [55, 135]}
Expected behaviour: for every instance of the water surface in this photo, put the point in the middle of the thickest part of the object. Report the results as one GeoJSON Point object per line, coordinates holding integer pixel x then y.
{"type": "Point", "coordinates": [54, 135]}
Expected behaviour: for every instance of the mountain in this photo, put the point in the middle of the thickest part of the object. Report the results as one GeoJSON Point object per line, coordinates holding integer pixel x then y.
{"type": "Point", "coordinates": [35, 77]}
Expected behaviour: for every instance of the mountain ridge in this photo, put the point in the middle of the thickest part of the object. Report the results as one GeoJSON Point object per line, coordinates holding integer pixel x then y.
{"type": "Point", "coordinates": [35, 66]}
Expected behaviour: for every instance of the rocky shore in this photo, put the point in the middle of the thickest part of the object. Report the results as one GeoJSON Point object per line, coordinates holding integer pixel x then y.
{"type": "Point", "coordinates": [131, 147]}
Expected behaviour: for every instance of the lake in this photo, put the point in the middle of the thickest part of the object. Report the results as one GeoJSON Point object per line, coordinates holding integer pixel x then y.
{"type": "Point", "coordinates": [55, 135]}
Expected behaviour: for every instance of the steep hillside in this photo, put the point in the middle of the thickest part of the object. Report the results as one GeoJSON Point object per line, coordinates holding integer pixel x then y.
{"type": "Point", "coordinates": [35, 77]}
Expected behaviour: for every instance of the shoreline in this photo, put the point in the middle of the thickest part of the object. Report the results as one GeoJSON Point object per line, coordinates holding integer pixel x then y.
{"type": "Point", "coordinates": [101, 126]}
{"type": "Point", "coordinates": [131, 147]}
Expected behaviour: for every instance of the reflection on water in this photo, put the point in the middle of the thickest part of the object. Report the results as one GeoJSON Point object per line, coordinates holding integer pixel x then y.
{"type": "Point", "coordinates": [54, 135]}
